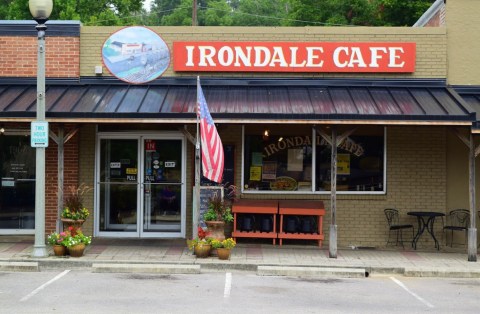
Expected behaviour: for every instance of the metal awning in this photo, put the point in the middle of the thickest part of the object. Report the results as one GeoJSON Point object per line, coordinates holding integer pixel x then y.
{"type": "Point", "coordinates": [471, 95]}
{"type": "Point", "coordinates": [240, 101]}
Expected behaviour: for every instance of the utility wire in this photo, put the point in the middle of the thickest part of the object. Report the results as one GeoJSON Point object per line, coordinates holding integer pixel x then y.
{"type": "Point", "coordinates": [225, 11]}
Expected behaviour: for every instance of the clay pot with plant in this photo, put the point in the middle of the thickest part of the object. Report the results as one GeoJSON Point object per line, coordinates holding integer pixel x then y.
{"type": "Point", "coordinates": [218, 213]}
{"type": "Point", "coordinates": [74, 213]}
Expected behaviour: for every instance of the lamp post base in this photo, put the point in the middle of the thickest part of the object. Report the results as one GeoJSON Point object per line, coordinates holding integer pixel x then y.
{"type": "Point", "coordinates": [39, 251]}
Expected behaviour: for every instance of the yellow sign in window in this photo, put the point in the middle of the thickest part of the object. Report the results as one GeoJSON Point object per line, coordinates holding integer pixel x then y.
{"type": "Point", "coordinates": [131, 170]}
{"type": "Point", "coordinates": [343, 164]}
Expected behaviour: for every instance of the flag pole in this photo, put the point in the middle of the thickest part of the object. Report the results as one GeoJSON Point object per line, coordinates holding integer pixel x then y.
{"type": "Point", "coordinates": [196, 216]}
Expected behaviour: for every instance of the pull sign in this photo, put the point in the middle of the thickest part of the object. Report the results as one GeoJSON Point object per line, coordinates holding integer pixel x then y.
{"type": "Point", "coordinates": [39, 134]}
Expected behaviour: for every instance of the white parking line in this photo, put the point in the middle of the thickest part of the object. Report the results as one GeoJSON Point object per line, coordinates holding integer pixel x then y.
{"type": "Point", "coordinates": [34, 292]}
{"type": "Point", "coordinates": [228, 285]}
{"type": "Point", "coordinates": [419, 298]}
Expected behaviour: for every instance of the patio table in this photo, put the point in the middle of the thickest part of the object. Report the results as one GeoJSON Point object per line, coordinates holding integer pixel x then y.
{"type": "Point", "coordinates": [425, 221]}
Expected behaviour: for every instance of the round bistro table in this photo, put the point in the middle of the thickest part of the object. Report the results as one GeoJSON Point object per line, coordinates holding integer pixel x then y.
{"type": "Point", "coordinates": [425, 221]}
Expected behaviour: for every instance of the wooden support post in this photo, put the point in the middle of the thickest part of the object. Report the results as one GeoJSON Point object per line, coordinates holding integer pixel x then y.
{"type": "Point", "coordinates": [60, 139]}
{"type": "Point", "coordinates": [334, 142]}
{"type": "Point", "coordinates": [60, 172]}
{"type": "Point", "coordinates": [472, 231]}
{"type": "Point", "coordinates": [332, 242]}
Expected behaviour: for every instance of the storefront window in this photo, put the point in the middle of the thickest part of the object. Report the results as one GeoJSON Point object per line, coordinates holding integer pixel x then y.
{"type": "Point", "coordinates": [359, 161]}
{"type": "Point", "coordinates": [281, 159]}
{"type": "Point", "coordinates": [278, 158]}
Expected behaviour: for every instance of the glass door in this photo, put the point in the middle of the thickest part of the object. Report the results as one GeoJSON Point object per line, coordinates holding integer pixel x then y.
{"type": "Point", "coordinates": [162, 185]}
{"type": "Point", "coordinates": [118, 186]}
{"type": "Point", "coordinates": [140, 185]}
{"type": "Point", "coordinates": [17, 188]}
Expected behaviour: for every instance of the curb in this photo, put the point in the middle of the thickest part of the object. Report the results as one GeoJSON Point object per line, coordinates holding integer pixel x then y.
{"type": "Point", "coordinates": [19, 266]}
{"type": "Point", "coordinates": [146, 268]}
{"type": "Point", "coordinates": [311, 271]}
{"type": "Point", "coordinates": [441, 272]}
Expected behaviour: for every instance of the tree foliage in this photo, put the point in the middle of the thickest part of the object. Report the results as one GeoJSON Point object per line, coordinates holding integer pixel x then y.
{"type": "Point", "coordinates": [230, 12]}
{"type": "Point", "coordinates": [89, 12]}
{"type": "Point", "coordinates": [402, 13]}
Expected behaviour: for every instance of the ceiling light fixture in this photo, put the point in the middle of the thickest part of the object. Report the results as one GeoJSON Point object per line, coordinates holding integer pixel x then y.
{"type": "Point", "coordinates": [266, 134]}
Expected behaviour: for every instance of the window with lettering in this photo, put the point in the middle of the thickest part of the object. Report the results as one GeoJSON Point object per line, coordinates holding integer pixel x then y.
{"type": "Point", "coordinates": [360, 161]}
{"type": "Point", "coordinates": [278, 158]}
{"type": "Point", "coordinates": [297, 159]}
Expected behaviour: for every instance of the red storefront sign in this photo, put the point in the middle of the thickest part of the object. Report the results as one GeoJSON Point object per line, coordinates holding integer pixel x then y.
{"type": "Point", "coordinates": [294, 57]}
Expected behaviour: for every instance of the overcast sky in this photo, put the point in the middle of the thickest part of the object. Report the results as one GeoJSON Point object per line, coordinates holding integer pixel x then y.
{"type": "Point", "coordinates": [146, 4]}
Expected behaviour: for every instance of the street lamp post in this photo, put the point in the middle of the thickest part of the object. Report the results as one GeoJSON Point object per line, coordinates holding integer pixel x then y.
{"type": "Point", "coordinates": [40, 10]}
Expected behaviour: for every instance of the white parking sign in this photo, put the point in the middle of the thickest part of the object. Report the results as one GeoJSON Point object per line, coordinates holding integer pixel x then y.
{"type": "Point", "coordinates": [39, 134]}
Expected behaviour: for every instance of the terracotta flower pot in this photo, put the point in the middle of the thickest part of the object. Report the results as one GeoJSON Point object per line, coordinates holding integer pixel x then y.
{"type": "Point", "coordinates": [74, 223]}
{"type": "Point", "coordinates": [223, 253]}
{"type": "Point", "coordinates": [216, 229]}
{"type": "Point", "coordinates": [59, 250]}
{"type": "Point", "coordinates": [77, 250]}
{"type": "Point", "coordinates": [202, 250]}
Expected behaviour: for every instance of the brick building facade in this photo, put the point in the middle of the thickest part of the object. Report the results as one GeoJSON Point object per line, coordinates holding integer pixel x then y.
{"type": "Point", "coordinates": [424, 164]}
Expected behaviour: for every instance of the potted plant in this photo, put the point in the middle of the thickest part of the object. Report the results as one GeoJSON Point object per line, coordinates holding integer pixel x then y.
{"type": "Point", "coordinates": [201, 245]}
{"type": "Point", "coordinates": [76, 241]}
{"type": "Point", "coordinates": [58, 242]}
{"type": "Point", "coordinates": [223, 247]}
{"type": "Point", "coordinates": [74, 213]}
{"type": "Point", "coordinates": [217, 214]}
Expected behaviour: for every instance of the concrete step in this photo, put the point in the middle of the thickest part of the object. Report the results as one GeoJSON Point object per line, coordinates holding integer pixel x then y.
{"type": "Point", "coordinates": [311, 271]}
{"type": "Point", "coordinates": [146, 268]}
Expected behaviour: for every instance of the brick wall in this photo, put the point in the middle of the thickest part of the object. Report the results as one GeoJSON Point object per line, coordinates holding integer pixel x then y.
{"type": "Point", "coordinates": [18, 56]}
{"type": "Point", "coordinates": [431, 45]}
{"type": "Point", "coordinates": [87, 170]}
{"type": "Point", "coordinates": [463, 43]}
{"type": "Point", "coordinates": [416, 180]}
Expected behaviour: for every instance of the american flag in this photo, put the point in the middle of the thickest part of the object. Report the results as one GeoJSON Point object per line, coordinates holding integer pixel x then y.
{"type": "Point", "coordinates": [211, 144]}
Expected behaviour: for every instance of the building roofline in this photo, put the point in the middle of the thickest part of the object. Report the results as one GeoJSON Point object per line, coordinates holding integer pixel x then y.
{"type": "Point", "coordinates": [427, 16]}
{"type": "Point", "coordinates": [27, 28]}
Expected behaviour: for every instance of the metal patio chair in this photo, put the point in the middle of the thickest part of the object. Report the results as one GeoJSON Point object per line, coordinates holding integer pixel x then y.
{"type": "Point", "coordinates": [457, 220]}
{"type": "Point", "coordinates": [395, 226]}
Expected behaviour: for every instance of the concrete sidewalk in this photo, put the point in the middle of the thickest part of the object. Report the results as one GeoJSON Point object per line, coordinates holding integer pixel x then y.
{"type": "Point", "coordinates": [172, 256]}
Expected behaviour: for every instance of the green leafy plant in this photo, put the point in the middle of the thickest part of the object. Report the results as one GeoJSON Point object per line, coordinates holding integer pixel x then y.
{"type": "Point", "coordinates": [218, 210]}
{"type": "Point", "coordinates": [68, 238]}
{"type": "Point", "coordinates": [75, 237]}
{"type": "Point", "coordinates": [200, 240]}
{"type": "Point", "coordinates": [73, 203]}
{"type": "Point", "coordinates": [228, 243]}
{"type": "Point", "coordinates": [216, 243]}
{"type": "Point", "coordinates": [56, 238]}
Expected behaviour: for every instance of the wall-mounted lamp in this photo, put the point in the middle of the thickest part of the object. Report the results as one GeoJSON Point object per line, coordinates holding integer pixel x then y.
{"type": "Point", "coordinates": [266, 135]}
{"type": "Point", "coordinates": [98, 70]}
{"type": "Point", "coordinates": [2, 129]}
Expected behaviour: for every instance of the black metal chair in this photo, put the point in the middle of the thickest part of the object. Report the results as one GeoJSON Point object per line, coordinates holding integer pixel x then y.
{"type": "Point", "coordinates": [394, 225]}
{"type": "Point", "coordinates": [457, 220]}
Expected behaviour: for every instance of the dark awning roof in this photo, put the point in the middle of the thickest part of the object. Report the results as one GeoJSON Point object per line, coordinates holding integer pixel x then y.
{"type": "Point", "coordinates": [240, 101]}
{"type": "Point", "coordinates": [471, 94]}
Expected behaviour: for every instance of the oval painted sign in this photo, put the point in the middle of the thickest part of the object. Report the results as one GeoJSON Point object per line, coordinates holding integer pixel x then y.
{"type": "Point", "coordinates": [135, 55]}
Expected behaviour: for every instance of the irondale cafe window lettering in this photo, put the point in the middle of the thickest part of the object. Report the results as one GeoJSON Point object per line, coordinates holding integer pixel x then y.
{"type": "Point", "coordinates": [287, 160]}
